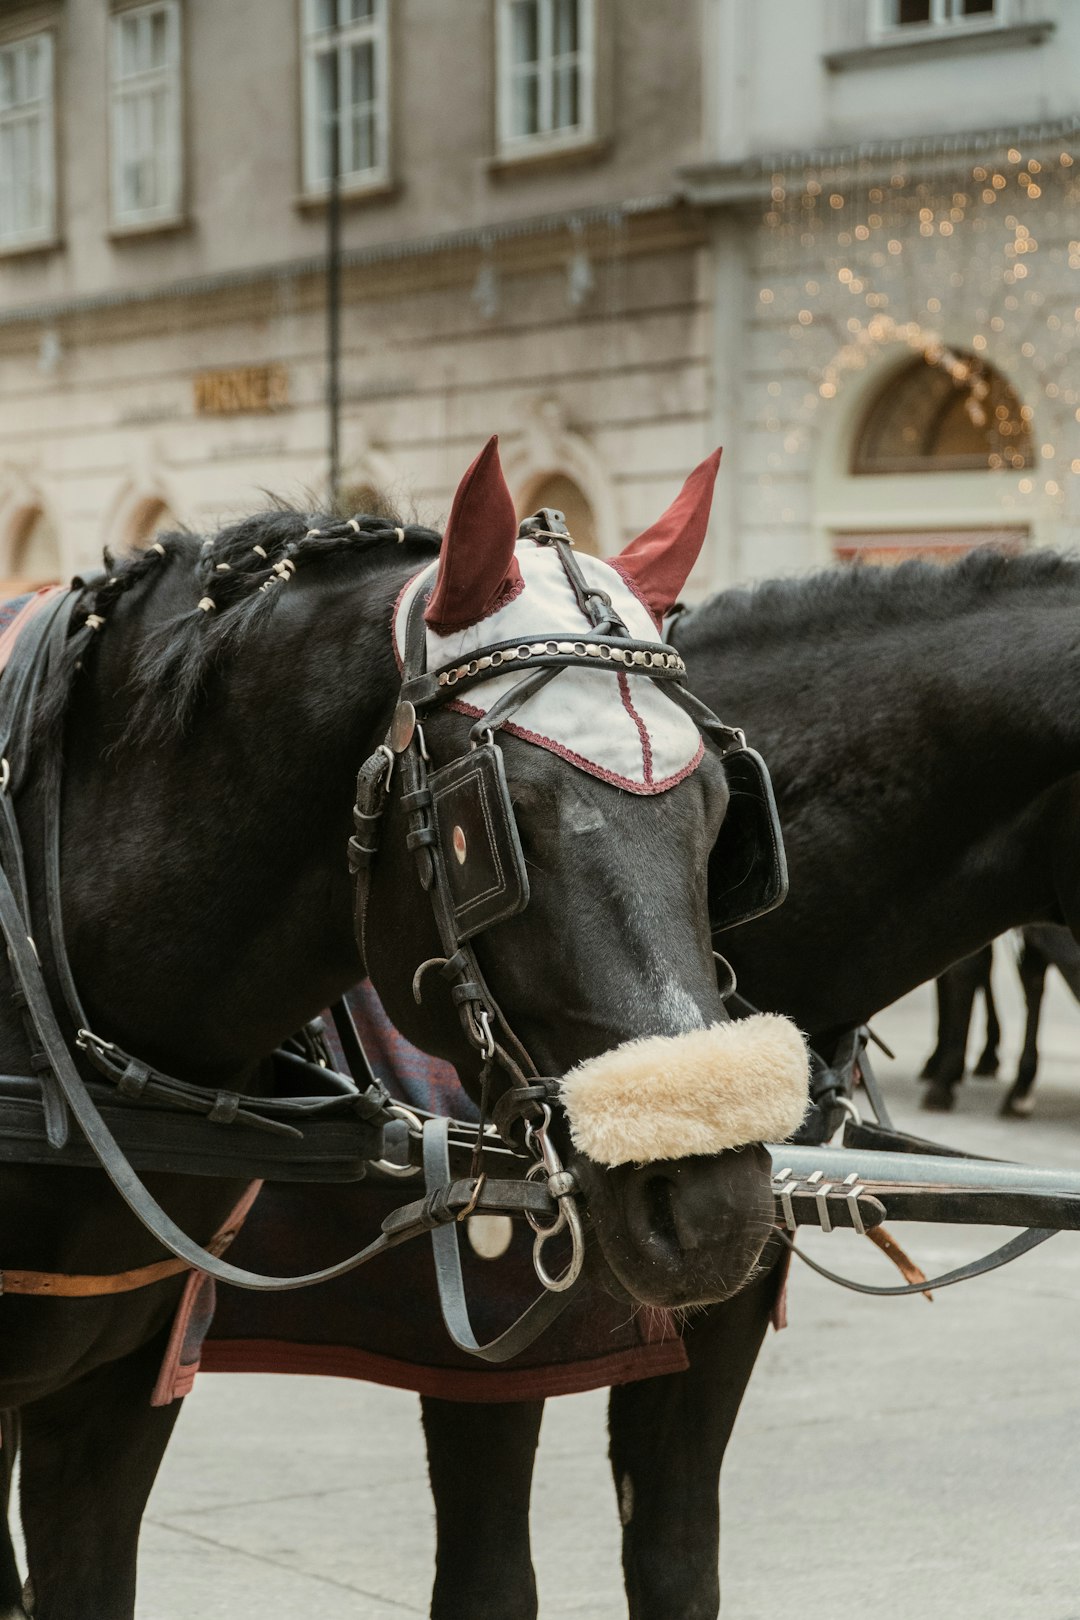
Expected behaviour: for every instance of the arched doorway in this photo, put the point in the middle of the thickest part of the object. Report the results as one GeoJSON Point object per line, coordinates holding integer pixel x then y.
{"type": "Point", "coordinates": [149, 518]}
{"type": "Point", "coordinates": [33, 553]}
{"type": "Point", "coordinates": [932, 464]}
{"type": "Point", "coordinates": [557, 490]}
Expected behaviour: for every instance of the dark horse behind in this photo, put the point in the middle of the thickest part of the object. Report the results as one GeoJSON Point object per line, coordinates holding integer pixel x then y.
{"type": "Point", "coordinates": [208, 714]}
{"type": "Point", "coordinates": [922, 728]}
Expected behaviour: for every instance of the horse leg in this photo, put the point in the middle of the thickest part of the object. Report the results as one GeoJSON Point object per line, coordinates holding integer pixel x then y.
{"type": "Point", "coordinates": [956, 997]}
{"type": "Point", "coordinates": [987, 1065]}
{"type": "Point", "coordinates": [929, 1070]}
{"type": "Point", "coordinates": [483, 1561]}
{"type": "Point", "coordinates": [90, 1454]}
{"type": "Point", "coordinates": [1033, 965]}
{"type": "Point", "coordinates": [668, 1437]}
{"type": "Point", "coordinates": [10, 1580]}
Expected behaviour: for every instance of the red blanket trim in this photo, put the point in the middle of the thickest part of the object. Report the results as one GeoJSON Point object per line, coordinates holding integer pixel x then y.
{"type": "Point", "coordinates": [446, 1383]}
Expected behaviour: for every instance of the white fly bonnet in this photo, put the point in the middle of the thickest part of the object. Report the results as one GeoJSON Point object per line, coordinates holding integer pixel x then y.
{"type": "Point", "coordinates": [619, 727]}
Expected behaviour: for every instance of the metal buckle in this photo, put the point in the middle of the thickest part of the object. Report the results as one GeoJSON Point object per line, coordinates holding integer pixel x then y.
{"type": "Point", "coordinates": [562, 1186]}
{"type": "Point", "coordinates": [85, 1038]}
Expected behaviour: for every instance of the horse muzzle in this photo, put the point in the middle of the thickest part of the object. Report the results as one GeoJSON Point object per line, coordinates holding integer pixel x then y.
{"type": "Point", "coordinates": [668, 1130]}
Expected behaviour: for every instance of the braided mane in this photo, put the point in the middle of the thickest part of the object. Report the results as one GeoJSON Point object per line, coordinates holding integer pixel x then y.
{"type": "Point", "coordinates": [236, 578]}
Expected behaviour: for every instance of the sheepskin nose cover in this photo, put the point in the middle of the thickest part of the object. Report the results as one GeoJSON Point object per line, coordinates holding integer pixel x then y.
{"type": "Point", "coordinates": [668, 1096]}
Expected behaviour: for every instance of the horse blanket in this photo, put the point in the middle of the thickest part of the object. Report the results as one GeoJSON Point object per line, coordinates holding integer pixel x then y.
{"type": "Point", "coordinates": [382, 1323]}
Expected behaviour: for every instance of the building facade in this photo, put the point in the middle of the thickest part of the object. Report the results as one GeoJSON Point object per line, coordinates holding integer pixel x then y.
{"type": "Point", "coordinates": [514, 260]}
{"type": "Point", "coordinates": [837, 236]}
{"type": "Point", "coordinates": [894, 213]}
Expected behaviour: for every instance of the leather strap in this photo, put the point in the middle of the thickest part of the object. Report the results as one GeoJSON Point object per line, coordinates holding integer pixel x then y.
{"type": "Point", "coordinates": [1021, 1244]}
{"type": "Point", "coordinates": [448, 1276]}
{"type": "Point", "coordinates": [61, 1285]}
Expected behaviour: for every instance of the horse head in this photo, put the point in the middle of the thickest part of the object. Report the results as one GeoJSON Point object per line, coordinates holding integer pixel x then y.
{"type": "Point", "coordinates": [559, 809]}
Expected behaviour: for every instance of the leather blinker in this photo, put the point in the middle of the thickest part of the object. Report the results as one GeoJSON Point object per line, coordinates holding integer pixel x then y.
{"type": "Point", "coordinates": [748, 873]}
{"type": "Point", "coordinates": [478, 840]}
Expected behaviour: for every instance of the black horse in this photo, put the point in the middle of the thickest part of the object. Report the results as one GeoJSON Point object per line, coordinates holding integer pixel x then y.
{"type": "Point", "coordinates": [1042, 946]}
{"type": "Point", "coordinates": [221, 696]}
{"type": "Point", "coordinates": [922, 731]}
{"type": "Point", "coordinates": [955, 992]}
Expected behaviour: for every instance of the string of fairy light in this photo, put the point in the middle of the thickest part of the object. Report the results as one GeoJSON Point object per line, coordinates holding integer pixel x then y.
{"type": "Point", "coordinates": [971, 270]}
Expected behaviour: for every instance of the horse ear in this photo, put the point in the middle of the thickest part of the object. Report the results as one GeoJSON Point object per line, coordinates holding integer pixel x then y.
{"type": "Point", "coordinates": [657, 564]}
{"type": "Point", "coordinates": [478, 571]}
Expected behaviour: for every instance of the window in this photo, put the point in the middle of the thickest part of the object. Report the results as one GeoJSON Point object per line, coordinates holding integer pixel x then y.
{"type": "Point", "coordinates": [146, 112]}
{"type": "Point", "coordinates": [27, 179]}
{"type": "Point", "coordinates": [938, 13]}
{"type": "Point", "coordinates": [944, 412]}
{"type": "Point", "coordinates": [345, 67]}
{"type": "Point", "coordinates": [545, 72]}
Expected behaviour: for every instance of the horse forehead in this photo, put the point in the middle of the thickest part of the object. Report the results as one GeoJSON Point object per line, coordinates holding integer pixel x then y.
{"type": "Point", "coordinates": [612, 725]}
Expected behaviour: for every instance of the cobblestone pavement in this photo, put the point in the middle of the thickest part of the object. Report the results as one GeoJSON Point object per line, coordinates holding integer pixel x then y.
{"type": "Point", "coordinates": [893, 1457]}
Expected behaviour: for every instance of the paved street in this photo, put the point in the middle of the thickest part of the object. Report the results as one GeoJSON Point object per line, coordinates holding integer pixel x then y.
{"type": "Point", "coordinates": [893, 1457]}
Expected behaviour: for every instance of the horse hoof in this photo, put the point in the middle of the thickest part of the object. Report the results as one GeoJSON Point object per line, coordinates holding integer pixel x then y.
{"type": "Point", "coordinates": [938, 1100]}
{"type": "Point", "coordinates": [986, 1069]}
{"type": "Point", "coordinates": [1018, 1108]}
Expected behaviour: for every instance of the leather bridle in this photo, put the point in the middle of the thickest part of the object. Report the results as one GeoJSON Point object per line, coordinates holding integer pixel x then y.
{"type": "Point", "coordinates": [452, 808]}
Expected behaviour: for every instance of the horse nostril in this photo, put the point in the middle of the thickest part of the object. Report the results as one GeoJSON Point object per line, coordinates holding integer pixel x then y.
{"type": "Point", "coordinates": [658, 1202]}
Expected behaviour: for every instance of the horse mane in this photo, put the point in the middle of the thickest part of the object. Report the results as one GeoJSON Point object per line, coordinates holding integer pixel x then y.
{"type": "Point", "coordinates": [237, 577]}
{"type": "Point", "coordinates": [859, 600]}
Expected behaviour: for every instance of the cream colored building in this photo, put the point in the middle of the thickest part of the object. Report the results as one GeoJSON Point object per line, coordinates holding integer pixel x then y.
{"type": "Point", "coordinates": [515, 259]}
{"type": "Point", "coordinates": [616, 232]}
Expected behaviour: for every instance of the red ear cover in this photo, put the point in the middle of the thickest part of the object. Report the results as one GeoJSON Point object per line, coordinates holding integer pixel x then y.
{"type": "Point", "coordinates": [478, 571]}
{"type": "Point", "coordinates": [657, 564]}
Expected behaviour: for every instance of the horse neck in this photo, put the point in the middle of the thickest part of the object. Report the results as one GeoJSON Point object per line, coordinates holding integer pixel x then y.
{"type": "Point", "coordinates": [917, 767]}
{"type": "Point", "coordinates": [206, 897]}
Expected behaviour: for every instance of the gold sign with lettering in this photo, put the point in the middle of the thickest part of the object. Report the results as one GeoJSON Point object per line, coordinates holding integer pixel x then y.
{"type": "Point", "coordinates": [240, 389]}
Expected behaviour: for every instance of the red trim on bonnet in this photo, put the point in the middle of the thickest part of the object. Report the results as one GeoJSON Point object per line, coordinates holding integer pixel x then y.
{"type": "Point", "coordinates": [587, 765]}
{"type": "Point", "coordinates": [646, 745]}
{"type": "Point", "coordinates": [631, 585]}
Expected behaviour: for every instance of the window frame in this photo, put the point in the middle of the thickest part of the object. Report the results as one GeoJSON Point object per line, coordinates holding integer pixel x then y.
{"type": "Point", "coordinates": [355, 182]}
{"type": "Point", "coordinates": [170, 211]}
{"type": "Point", "coordinates": [46, 234]}
{"type": "Point", "coordinates": [943, 23]}
{"type": "Point", "coordinates": [584, 132]}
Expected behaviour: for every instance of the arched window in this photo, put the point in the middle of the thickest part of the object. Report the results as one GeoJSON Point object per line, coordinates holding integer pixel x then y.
{"type": "Point", "coordinates": [562, 493]}
{"type": "Point", "coordinates": [944, 411]}
{"type": "Point", "coordinates": [34, 552]}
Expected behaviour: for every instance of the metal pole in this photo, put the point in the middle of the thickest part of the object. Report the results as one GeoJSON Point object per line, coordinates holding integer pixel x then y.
{"type": "Point", "coordinates": [333, 271]}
